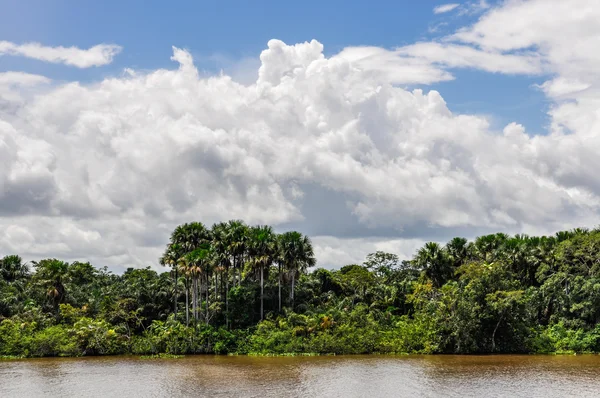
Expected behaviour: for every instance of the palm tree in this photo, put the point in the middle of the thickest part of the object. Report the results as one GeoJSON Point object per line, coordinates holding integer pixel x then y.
{"type": "Point", "coordinates": [198, 265]}
{"type": "Point", "coordinates": [297, 254]}
{"type": "Point", "coordinates": [486, 248]}
{"type": "Point", "coordinates": [12, 268]}
{"type": "Point", "coordinates": [182, 267]}
{"type": "Point", "coordinates": [280, 262]}
{"type": "Point", "coordinates": [458, 251]}
{"type": "Point", "coordinates": [237, 238]}
{"type": "Point", "coordinates": [52, 274]}
{"type": "Point", "coordinates": [170, 258]}
{"type": "Point", "coordinates": [433, 260]}
{"type": "Point", "coordinates": [262, 249]}
{"type": "Point", "coordinates": [221, 244]}
{"type": "Point", "coordinates": [190, 236]}
{"type": "Point", "coordinates": [184, 240]}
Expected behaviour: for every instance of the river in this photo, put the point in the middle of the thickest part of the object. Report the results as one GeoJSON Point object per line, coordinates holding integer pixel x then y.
{"type": "Point", "coordinates": [346, 376]}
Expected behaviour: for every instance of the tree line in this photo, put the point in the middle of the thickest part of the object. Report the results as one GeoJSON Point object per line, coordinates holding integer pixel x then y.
{"type": "Point", "coordinates": [235, 288]}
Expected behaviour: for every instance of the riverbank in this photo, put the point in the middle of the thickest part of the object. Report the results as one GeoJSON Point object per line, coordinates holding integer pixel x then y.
{"type": "Point", "coordinates": [89, 337]}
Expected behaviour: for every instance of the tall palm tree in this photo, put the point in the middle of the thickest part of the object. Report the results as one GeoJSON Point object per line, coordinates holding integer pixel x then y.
{"type": "Point", "coordinates": [184, 240]}
{"type": "Point", "coordinates": [237, 239]}
{"type": "Point", "coordinates": [199, 266]}
{"type": "Point", "coordinates": [182, 267]}
{"type": "Point", "coordinates": [190, 236]}
{"type": "Point", "coordinates": [296, 254]}
{"type": "Point", "coordinates": [223, 258]}
{"type": "Point", "coordinates": [170, 258]}
{"type": "Point", "coordinates": [262, 250]}
{"type": "Point", "coordinates": [280, 263]}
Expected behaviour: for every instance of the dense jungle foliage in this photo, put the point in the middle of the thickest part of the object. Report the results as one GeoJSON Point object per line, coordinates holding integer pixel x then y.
{"type": "Point", "coordinates": [240, 289]}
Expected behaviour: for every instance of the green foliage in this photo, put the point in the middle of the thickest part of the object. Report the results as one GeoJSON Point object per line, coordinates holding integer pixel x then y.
{"type": "Point", "coordinates": [236, 289]}
{"type": "Point", "coordinates": [98, 337]}
{"type": "Point", "coordinates": [15, 337]}
{"type": "Point", "coordinates": [53, 341]}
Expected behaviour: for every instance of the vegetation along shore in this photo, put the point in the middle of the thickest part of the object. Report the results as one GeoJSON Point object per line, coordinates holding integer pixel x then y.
{"type": "Point", "coordinates": [239, 289]}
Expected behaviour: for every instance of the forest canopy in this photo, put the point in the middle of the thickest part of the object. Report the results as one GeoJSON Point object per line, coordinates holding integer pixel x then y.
{"type": "Point", "coordinates": [240, 289]}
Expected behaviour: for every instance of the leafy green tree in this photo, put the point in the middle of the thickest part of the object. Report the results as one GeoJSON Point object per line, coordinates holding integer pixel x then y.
{"type": "Point", "coordinates": [382, 263]}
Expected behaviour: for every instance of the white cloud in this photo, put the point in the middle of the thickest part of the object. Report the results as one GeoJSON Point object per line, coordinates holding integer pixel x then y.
{"type": "Point", "coordinates": [21, 79]}
{"type": "Point", "coordinates": [456, 56]}
{"type": "Point", "coordinates": [473, 7]}
{"type": "Point", "coordinates": [561, 87]}
{"type": "Point", "coordinates": [565, 39]}
{"type": "Point", "coordinates": [331, 250]}
{"type": "Point", "coordinates": [389, 66]}
{"type": "Point", "coordinates": [14, 85]}
{"type": "Point", "coordinates": [329, 145]}
{"type": "Point", "coordinates": [101, 54]}
{"type": "Point", "coordinates": [427, 62]}
{"type": "Point", "coordinates": [441, 9]}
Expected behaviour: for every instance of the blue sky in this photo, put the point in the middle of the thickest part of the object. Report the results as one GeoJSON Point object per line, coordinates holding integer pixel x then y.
{"type": "Point", "coordinates": [236, 30]}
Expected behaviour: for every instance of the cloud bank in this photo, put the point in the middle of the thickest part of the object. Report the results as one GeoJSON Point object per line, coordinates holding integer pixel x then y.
{"type": "Point", "coordinates": [332, 146]}
{"type": "Point", "coordinates": [98, 55]}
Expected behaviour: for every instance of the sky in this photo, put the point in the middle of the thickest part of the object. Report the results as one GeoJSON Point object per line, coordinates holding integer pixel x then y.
{"type": "Point", "coordinates": [366, 126]}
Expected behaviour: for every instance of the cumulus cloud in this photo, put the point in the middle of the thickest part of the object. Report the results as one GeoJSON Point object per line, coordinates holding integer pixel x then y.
{"type": "Point", "coordinates": [441, 9]}
{"type": "Point", "coordinates": [101, 54]}
{"type": "Point", "coordinates": [14, 86]}
{"type": "Point", "coordinates": [331, 146]}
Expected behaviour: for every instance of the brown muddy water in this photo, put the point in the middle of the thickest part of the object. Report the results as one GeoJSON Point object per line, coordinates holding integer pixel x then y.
{"type": "Point", "coordinates": [345, 376]}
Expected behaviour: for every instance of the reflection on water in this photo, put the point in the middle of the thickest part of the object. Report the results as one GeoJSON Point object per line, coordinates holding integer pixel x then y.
{"type": "Point", "coordinates": [350, 376]}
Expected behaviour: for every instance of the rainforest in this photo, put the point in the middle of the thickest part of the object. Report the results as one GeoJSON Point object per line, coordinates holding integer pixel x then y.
{"type": "Point", "coordinates": [239, 289]}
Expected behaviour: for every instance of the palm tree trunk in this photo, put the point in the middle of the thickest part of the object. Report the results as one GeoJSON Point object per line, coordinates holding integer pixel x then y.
{"type": "Point", "coordinates": [227, 300]}
{"type": "Point", "coordinates": [293, 285]}
{"type": "Point", "coordinates": [187, 302]}
{"type": "Point", "coordinates": [175, 295]}
{"type": "Point", "coordinates": [279, 285]}
{"type": "Point", "coordinates": [207, 279]}
{"type": "Point", "coordinates": [261, 293]}
{"type": "Point", "coordinates": [198, 298]}
{"type": "Point", "coordinates": [236, 268]}
{"type": "Point", "coordinates": [494, 334]}
{"type": "Point", "coordinates": [199, 285]}
{"type": "Point", "coordinates": [194, 298]}
{"type": "Point", "coordinates": [241, 266]}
